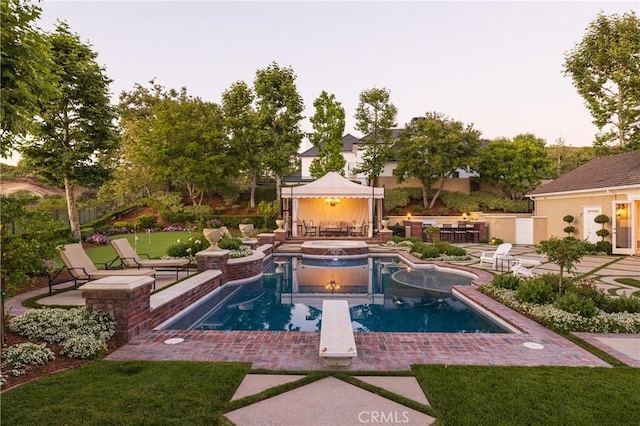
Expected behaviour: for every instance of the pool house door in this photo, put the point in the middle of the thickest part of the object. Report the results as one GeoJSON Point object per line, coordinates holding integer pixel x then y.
{"type": "Point", "coordinates": [623, 225]}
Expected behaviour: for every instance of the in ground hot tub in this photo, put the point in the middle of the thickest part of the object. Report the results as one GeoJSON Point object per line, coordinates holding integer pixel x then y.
{"type": "Point", "coordinates": [332, 248]}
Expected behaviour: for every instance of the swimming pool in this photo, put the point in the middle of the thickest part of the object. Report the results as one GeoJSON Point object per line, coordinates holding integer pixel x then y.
{"type": "Point", "coordinates": [384, 295]}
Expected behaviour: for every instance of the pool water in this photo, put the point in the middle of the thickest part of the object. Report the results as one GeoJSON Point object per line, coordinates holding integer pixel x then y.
{"type": "Point", "coordinates": [384, 295]}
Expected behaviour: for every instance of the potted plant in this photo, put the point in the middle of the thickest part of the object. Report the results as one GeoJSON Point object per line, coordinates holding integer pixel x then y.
{"type": "Point", "coordinates": [246, 228]}
{"type": "Point", "coordinates": [214, 232]}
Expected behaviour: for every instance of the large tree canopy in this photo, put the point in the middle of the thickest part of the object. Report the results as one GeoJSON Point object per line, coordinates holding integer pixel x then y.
{"type": "Point", "coordinates": [280, 109]}
{"type": "Point", "coordinates": [241, 123]}
{"type": "Point", "coordinates": [375, 118]}
{"type": "Point", "coordinates": [25, 63]}
{"type": "Point", "coordinates": [328, 125]}
{"type": "Point", "coordinates": [432, 148]}
{"type": "Point", "coordinates": [605, 69]}
{"type": "Point", "coordinates": [76, 139]}
{"type": "Point", "coordinates": [515, 166]}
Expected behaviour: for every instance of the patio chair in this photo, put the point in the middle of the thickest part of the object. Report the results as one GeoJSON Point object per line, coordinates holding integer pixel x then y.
{"type": "Point", "coordinates": [82, 268]}
{"type": "Point", "coordinates": [131, 259]}
{"type": "Point", "coordinates": [309, 230]}
{"type": "Point", "coordinates": [492, 256]}
{"type": "Point", "coordinates": [358, 230]}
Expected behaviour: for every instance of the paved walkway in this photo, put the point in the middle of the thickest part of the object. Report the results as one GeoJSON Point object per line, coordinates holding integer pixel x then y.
{"type": "Point", "coordinates": [298, 351]}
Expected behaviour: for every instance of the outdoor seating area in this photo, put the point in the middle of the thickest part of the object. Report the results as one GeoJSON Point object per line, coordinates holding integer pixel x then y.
{"type": "Point", "coordinates": [463, 232]}
{"type": "Point", "coordinates": [130, 259]}
{"type": "Point", "coordinates": [82, 269]}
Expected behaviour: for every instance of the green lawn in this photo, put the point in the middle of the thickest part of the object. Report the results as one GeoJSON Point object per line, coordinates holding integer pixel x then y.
{"type": "Point", "coordinates": [198, 393]}
{"type": "Point", "coordinates": [154, 244]}
{"type": "Point", "coordinates": [471, 395]}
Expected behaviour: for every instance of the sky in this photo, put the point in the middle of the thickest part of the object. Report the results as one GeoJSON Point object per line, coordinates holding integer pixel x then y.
{"type": "Point", "coordinates": [496, 65]}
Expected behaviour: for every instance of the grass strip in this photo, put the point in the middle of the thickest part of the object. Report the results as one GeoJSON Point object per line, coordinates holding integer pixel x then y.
{"type": "Point", "coordinates": [127, 393]}
{"type": "Point", "coordinates": [473, 395]}
{"type": "Point", "coordinates": [628, 281]}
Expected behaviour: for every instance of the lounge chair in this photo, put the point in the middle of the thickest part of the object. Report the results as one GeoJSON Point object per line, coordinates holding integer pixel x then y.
{"type": "Point", "coordinates": [82, 268]}
{"type": "Point", "coordinates": [519, 270]}
{"type": "Point", "coordinates": [131, 259]}
{"type": "Point", "coordinates": [532, 261]}
{"type": "Point", "coordinates": [492, 256]}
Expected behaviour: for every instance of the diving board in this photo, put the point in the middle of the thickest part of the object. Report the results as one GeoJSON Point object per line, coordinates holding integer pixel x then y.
{"type": "Point", "coordinates": [337, 342]}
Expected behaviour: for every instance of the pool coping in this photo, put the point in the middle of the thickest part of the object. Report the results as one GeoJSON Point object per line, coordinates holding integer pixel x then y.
{"type": "Point", "coordinates": [298, 351]}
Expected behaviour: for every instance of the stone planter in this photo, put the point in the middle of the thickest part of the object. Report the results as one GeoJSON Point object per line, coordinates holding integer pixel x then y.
{"type": "Point", "coordinates": [246, 229]}
{"type": "Point", "coordinates": [384, 223]}
{"type": "Point", "coordinates": [214, 235]}
{"type": "Point", "coordinates": [279, 222]}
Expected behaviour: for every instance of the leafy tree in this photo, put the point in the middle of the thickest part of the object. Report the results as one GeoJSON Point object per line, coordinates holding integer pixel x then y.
{"type": "Point", "coordinates": [76, 139]}
{"type": "Point", "coordinates": [22, 253]}
{"type": "Point", "coordinates": [241, 126]}
{"type": "Point", "coordinates": [25, 64]}
{"type": "Point", "coordinates": [375, 118]}
{"type": "Point", "coordinates": [431, 148]}
{"type": "Point", "coordinates": [134, 176]}
{"type": "Point", "coordinates": [566, 159]}
{"type": "Point", "coordinates": [328, 125]}
{"type": "Point", "coordinates": [605, 69]}
{"type": "Point", "coordinates": [186, 145]}
{"type": "Point", "coordinates": [564, 252]}
{"type": "Point", "coordinates": [515, 166]}
{"type": "Point", "coordinates": [280, 109]}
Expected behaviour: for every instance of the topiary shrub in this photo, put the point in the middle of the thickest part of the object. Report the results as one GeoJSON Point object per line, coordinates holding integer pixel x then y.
{"type": "Point", "coordinates": [604, 247]}
{"type": "Point", "coordinates": [577, 304]}
{"type": "Point", "coordinates": [507, 281]}
{"type": "Point", "coordinates": [535, 291]}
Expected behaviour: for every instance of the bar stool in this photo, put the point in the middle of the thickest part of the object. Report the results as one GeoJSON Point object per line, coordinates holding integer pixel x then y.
{"type": "Point", "coordinates": [446, 232]}
{"type": "Point", "coordinates": [460, 234]}
{"type": "Point", "coordinates": [473, 235]}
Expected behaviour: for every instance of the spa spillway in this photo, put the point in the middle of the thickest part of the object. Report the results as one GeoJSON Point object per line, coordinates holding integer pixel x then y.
{"type": "Point", "coordinates": [332, 248]}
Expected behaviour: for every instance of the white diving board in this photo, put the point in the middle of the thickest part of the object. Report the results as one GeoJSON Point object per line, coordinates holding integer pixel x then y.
{"type": "Point", "coordinates": [337, 342]}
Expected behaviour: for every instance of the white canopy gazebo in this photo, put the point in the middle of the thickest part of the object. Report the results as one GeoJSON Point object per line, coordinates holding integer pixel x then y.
{"type": "Point", "coordinates": [332, 198]}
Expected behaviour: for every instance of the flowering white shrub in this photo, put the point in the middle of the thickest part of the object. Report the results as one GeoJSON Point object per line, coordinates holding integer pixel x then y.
{"type": "Point", "coordinates": [78, 329]}
{"type": "Point", "coordinates": [243, 251]}
{"type": "Point", "coordinates": [18, 358]}
{"type": "Point", "coordinates": [603, 322]}
{"type": "Point", "coordinates": [83, 346]}
{"type": "Point", "coordinates": [57, 325]}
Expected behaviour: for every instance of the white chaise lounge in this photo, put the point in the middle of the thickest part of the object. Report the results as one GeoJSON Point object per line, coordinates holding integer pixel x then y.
{"type": "Point", "coordinates": [337, 342]}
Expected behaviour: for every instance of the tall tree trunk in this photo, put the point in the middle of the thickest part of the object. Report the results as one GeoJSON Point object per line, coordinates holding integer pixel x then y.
{"type": "Point", "coordinates": [437, 194]}
{"type": "Point", "coordinates": [254, 183]}
{"type": "Point", "coordinates": [425, 194]}
{"type": "Point", "coordinates": [279, 190]}
{"type": "Point", "coordinates": [74, 222]}
{"type": "Point", "coordinates": [3, 287]}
